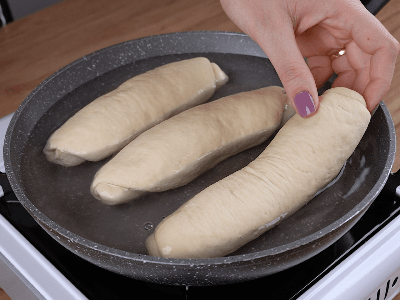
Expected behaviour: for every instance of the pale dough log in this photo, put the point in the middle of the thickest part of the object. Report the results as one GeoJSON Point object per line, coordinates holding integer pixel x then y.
{"type": "Point", "coordinates": [305, 155]}
{"type": "Point", "coordinates": [110, 122]}
{"type": "Point", "coordinates": [176, 151]}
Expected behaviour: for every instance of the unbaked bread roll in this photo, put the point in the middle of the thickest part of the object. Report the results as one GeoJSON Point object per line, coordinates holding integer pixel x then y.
{"type": "Point", "coordinates": [176, 151]}
{"type": "Point", "coordinates": [110, 122]}
{"type": "Point", "coordinates": [305, 155]}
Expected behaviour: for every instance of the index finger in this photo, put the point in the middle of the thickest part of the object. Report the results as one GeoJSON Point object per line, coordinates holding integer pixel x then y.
{"type": "Point", "coordinates": [373, 38]}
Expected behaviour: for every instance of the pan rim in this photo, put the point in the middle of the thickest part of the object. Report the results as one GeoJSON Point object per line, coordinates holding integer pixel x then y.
{"type": "Point", "coordinates": [273, 252]}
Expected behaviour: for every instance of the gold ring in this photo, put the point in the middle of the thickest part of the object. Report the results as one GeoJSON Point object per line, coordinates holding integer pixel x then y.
{"type": "Point", "coordinates": [340, 53]}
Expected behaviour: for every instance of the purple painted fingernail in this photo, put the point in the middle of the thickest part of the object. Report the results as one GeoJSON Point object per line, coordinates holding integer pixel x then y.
{"type": "Point", "coordinates": [304, 103]}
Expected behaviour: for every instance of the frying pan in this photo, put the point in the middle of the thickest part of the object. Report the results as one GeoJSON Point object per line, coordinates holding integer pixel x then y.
{"type": "Point", "coordinates": [113, 237]}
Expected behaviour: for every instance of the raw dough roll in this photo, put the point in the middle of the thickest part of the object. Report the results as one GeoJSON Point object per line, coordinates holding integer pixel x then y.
{"type": "Point", "coordinates": [304, 157]}
{"type": "Point", "coordinates": [176, 151]}
{"type": "Point", "coordinates": [110, 122]}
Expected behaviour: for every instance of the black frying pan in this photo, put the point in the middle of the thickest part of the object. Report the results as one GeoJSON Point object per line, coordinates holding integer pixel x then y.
{"type": "Point", "coordinates": [113, 237]}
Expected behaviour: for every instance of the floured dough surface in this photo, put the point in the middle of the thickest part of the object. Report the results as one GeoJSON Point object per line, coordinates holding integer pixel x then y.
{"type": "Point", "coordinates": [176, 151]}
{"type": "Point", "coordinates": [110, 122]}
{"type": "Point", "coordinates": [304, 157]}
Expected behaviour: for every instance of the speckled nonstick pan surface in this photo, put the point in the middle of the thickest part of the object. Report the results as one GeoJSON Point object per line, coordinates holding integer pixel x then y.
{"type": "Point", "coordinates": [113, 237]}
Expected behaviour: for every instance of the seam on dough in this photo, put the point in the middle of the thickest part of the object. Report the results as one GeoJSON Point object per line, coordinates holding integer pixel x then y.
{"type": "Point", "coordinates": [252, 173]}
{"type": "Point", "coordinates": [266, 183]}
{"type": "Point", "coordinates": [126, 189]}
{"type": "Point", "coordinates": [238, 198]}
{"type": "Point", "coordinates": [358, 100]}
{"type": "Point", "coordinates": [268, 191]}
{"type": "Point", "coordinates": [272, 159]}
{"type": "Point", "coordinates": [116, 185]}
{"type": "Point", "coordinates": [343, 108]}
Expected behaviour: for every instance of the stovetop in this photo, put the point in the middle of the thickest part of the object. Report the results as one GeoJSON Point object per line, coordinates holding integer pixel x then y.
{"type": "Point", "coordinates": [97, 283]}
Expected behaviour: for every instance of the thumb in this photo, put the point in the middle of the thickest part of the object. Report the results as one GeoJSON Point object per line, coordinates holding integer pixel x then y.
{"type": "Point", "coordinates": [279, 44]}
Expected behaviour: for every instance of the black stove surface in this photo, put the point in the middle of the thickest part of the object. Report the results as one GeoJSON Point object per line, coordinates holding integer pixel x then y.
{"type": "Point", "coordinates": [97, 283]}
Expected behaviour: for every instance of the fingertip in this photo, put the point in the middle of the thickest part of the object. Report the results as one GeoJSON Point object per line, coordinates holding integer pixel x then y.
{"type": "Point", "coordinates": [375, 92]}
{"type": "Point", "coordinates": [305, 104]}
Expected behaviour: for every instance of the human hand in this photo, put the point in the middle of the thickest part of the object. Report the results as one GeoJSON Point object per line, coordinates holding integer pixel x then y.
{"type": "Point", "coordinates": [288, 30]}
